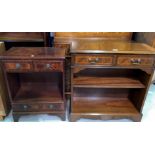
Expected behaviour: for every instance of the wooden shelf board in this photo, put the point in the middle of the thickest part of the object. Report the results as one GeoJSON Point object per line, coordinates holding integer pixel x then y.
{"type": "Point", "coordinates": [38, 93]}
{"type": "Point", "coordinates": [107, 106]}
{"type": "Point", "coordinates": [107, 82]}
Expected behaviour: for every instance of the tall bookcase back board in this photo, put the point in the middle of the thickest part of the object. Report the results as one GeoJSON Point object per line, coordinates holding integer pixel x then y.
{"type": "Point", "coordinates": [73, 37]}
{"type": "Point", "coordinates": [109, 75]}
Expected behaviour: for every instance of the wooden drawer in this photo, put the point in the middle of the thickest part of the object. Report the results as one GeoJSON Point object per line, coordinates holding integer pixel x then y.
{"type": "Point", "coordinates": [53, 107]}
{"type": "Point", "coordinates": [48, 65]}
{"type": "Point", "coordinates": [105, 60]}
{"type": "Point", "coordinates": [26, 107]}
{"type": "Point", "coordinates": [18, 66]}
{"type": "Point", "coordinates": [135, 60]}
{"type": "Point", "coordinates": [37, 107]}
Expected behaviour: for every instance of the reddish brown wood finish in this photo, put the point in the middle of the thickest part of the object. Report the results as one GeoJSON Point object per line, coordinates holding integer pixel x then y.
{"type": "Point", "coordinates": [135, 60]}
{"type": "Point", "coordinates": [68, 36]}
{"type": "Point", "coordinates": [107, 82]}
{"type": "Point", "coordinates": [25, 37]}
{"type": "Point", "coordinates": [48, 65]}
{"type": "Point", "coordinates": [35, 80]}
{"type": "Point", "coordinates": [104, 105]}
{"type": "Point", "coordinates": [38, 107]}
{"type": "Point", "coordinates": [114, 91]}
{"type": "Point", "coordinates": [18, 66]}
{"type": "Point", "coordinates": [94, 60]}
{"type": "Point", "coordinates": [27, 53]}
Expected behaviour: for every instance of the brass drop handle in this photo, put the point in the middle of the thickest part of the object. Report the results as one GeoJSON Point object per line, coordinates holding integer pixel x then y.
{"type": "Point", "coordinates": [136, 61]}
{"type": "Point", "coordinates": [97, 59]}
{"type": "Point", "coordinates": [50, 106]}
{"type": "Point", "coordinates": [48, 66]}
{"type": "Point", "coordinates": [93, 61]}
{"type": "Point", "coordinates": [18, 65]}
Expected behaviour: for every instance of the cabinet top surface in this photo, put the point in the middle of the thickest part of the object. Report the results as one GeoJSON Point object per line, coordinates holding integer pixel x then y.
{"type": "Point", "coordinates": [34, 53]}
{"type": "Point", "coordinates": [92, 46]}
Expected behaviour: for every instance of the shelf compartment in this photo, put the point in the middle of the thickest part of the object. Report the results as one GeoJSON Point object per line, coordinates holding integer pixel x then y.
{"type": "Point", "coordinates": [107, 82]}
{"type": "Point", "coordinates": [108, 78]}
{"type": "Point", "coordinates": [38, 93]}
{"type": "Point", "coordinates": [36, 87]}
{"type": "Point", "coordinates": [103, 101]}
{"type": "Point", "coordinates": [114, 106]}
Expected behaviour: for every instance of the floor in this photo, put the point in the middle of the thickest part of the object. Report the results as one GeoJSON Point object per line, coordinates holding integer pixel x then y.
{"type": "Point", "coordinates": [148, 113]}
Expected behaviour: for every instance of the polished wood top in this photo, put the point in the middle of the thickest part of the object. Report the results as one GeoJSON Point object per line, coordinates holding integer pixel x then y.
{"type": "Point", "coordinates": [120, 47]}
{"type": "Point", "coordinates": [34, 53]}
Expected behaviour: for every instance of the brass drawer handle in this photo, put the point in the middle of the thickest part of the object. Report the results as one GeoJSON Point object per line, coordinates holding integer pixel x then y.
{"type": "Point", "coordinates": [18, 65]}
{"type": "Point", "coordinates": [93, 61]}
{"type": "Point", "coordinates": [136, 61]}
{"type": "Point", "coordinates": [48, 66]}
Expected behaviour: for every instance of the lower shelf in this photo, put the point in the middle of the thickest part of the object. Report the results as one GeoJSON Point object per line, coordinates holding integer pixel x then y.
{"type": "Point", "coordinates": [38, 93]}
{"type": "Point", "coordinates": [104, 106]}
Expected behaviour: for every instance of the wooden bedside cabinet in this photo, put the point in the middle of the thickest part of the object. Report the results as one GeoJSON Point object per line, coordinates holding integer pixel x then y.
{"type": "Point", "coordinates": [35, 80]}
{"type": "Point", "coordinates": [109, 79]}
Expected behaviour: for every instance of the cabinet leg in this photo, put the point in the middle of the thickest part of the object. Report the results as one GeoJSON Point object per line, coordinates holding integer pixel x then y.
{"type": "Point", "coordinates": [137, 118]}
{"type": "Point", "coordinates": [1, 118]}
{"type": "Point", "coordinates": [62, 116]}
{"type": "Point", "coordinates": [16, 117]}
{"type": "Point", "coordinates": [73, 118]}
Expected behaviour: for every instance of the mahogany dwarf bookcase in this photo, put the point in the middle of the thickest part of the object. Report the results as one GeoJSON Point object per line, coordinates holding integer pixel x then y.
{"type": "Point", "coordinates": [35, 80]}
{"type": "Point", "coordinates": [109, 79]}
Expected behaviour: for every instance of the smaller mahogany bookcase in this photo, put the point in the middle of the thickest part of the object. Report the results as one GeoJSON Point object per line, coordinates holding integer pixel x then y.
{"type": "Point", "coordinates": [35, 80]}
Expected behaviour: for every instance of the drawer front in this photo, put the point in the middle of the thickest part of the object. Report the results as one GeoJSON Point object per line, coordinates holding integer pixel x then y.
{"type": "Point", "coordinates": [37, 107]}
{"type": "Point", "coordinates": [26, 107]}
{"type": "Point", "coordinates": [18, 66]}
{"type": "Point", "coordinates": [94, 60]}
{"type": "Point", "coordinates": [147, 61]}
{"type": "Point", "coordinates": [53, 107]}
{"type": "Point", "coordinates": [48, 66]}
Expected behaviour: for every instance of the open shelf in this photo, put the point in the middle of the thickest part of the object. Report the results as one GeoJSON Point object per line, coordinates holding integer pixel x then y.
{"type": "Point", "coordinates": [107, 82]}
{"type": "Point", "coordinates": [38, 93]}
{"type": "Point", "coordinates": [109, 78]}
{"type": "Point", "coordinates": [36, 87]}
{"type": "Point", "coordinates": [103, 106]}
{"type": "Point", "coordinates": [103, 101]}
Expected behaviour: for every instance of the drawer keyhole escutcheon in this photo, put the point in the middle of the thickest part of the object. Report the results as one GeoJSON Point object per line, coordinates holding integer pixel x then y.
{"type": "Point", "coordinates": [50, 106]}
{"type": "Point", "coordinates": [18, 66]}
{"type": "Point", "coordinates": [48, 66]}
